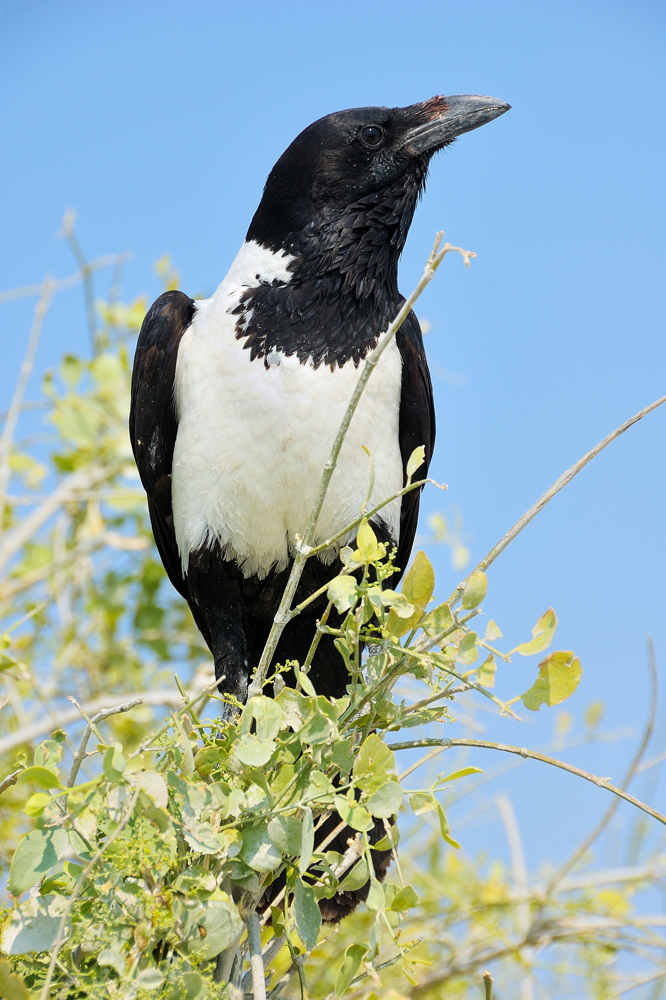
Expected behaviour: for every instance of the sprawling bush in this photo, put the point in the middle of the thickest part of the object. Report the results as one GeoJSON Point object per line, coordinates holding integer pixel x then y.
{"type": "Point", "coordinates": [196, 858]}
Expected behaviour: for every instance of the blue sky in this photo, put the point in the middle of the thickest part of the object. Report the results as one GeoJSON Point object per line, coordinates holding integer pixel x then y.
{"type": "Point", "coordinates": [159, 123]}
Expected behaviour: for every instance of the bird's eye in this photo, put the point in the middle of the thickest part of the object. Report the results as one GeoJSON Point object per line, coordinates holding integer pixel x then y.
{"type": "Point", "coordinates": [371, 135]}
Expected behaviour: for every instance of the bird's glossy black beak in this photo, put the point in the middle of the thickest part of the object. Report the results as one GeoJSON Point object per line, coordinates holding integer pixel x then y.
{"type": "Point", "coordinates": [463, 113]}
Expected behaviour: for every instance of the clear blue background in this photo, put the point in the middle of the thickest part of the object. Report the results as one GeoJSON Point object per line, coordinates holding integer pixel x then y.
{"type": "Point", "coordinates": [159, 121]}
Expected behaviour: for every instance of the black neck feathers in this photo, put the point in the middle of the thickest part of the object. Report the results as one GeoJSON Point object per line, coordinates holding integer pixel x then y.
{"type": "Point", "coordinates": [343, 292]}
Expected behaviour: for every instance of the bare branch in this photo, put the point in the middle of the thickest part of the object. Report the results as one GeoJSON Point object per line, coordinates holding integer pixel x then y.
{"type": "Point", "coordinates": [26, 734]}
{"type": "Point", "coordinates": [104, 713]}
{"type": "Point", "coordinates": [583, 848]}
{"type": "Point", "coordinates": [256, 957]}
{"type": "Point", "coordinates": [61, 284]}
{"type": "Point", "coordinates": [563, 481]}
{"type": "Point", "coordinates": [532, 755]}
{"type": "Point", "coordinates": [10, 780]}
{"type": "Point", "coordinates": [6, 441]}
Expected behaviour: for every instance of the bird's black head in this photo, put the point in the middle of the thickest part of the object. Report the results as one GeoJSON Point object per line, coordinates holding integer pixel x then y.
{"type": "Point", "coordinates": [340, 201]}
{"type": "Point", "coordinates": [366, 156]}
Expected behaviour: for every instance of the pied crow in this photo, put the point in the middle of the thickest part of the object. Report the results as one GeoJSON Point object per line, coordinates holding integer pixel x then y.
{"type": "Point", "coordinates": [236, 399]}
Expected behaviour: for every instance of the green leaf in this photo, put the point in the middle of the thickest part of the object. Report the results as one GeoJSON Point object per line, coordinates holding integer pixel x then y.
{"type": "Point", "coordinates": [200, 835]}
{"type": "Point", "coordinates": [475, 590]}
{"type": "Point", "coordinates": [211, 927]}
{"type": "Point", "coordinates": [386, 801]}
{"type": "Point", "coordinates": [258, 851]}
{"type": "Point", "coordinates": [113, 959]}
{"type": "Point", "coordinates": [154, 785]}
{"type": "Point", "coordinates": [354, 955]}
{"type": "Point", "coordinates": [445, 828]}
{"type": "Point", "coordinates": [405, 899]}
{"type": "Point", "coordinates": [12, 987]}
{"type": "Point", "coordinates": [467, 651]}
{"type": "Point", "coordinates": [306, 913]}
{"type": "Point", "coordinates": [41, 776]}
{"type": "Point", "coordinates": [462, 773]}
{"type": "Point", "coordinates": [208, 759]}
{"type": "Point", "coordinates": [268, 717]}
{"type": "Point", "coordinates": [366, 542]}
{"type": "Point", "coordinates": [559, 676]}
{"type": "Point", "coordinates": [294, 706]}
{"type": "Point", "coordinates": [36, 804]}
{"type": "Point", "coordinates": [343, 591]}
{"type": "Point", "coordinates": [397, 602]}
{"type": "Point", "coordinates": [485, 674]}
{"type": "Point", "coordinates": [543, 633]}
{"type": "Point", "coordinates": [373, 763]}
{"type": "Point", "coordinates": [354, 815]}
{"type": "Point", "coordinates": [34, 925]}
{"type": "Point", "coordinates": [252, 751]}
{"type": "Point", "coordinates": [113, 764]}
{"type": "Point", "coordinates": [375, 900]}
{"type": "Point", "coordinates": [36, 853]}
{"type": "Point", "coordinates": [286, 833]}
{"type": "Point", "coordinates": [318, 729]}
{"type": "Point", "coordinates": [149, 979]}
{"type": "Point", "coordinates": [493, 631]}
{"type": "Point", "coordinates": [307, 841]}
{"type": "Point", "coordinates": [415, 461]}
{"type": "Point", "coordinates": [439, 620]}
{"type": "Point", "coordinates": [422, 802]}
{"type": "Point", "coordinates": [356, 878]}
{"type": "Point", "coordinates": [417, 587]}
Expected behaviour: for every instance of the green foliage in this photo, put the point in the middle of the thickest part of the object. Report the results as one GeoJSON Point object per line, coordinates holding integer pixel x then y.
{"type": "Point", "coordinates": [145, 859]}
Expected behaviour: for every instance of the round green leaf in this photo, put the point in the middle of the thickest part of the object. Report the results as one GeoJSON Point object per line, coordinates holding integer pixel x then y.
{"type": "Point", "coordinates": [33, 926]}
{"type": "Point", "coordinates": [475, 590]}
{"type": "Point", "coordinates": [35, 855]}
{"type": "Point", "coordinates": [386, 801]}
{"type": "Point", "coordinates": [258, 850]}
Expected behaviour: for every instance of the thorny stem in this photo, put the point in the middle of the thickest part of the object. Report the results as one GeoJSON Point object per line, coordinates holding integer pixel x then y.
{"type": "Point", "coordinates": [282, 615]}
{"type": "Point", "coordinates": [533, 755]}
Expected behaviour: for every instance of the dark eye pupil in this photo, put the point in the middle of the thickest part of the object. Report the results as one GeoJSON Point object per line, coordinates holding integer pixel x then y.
{"type": "Point", "coordinates": [371, 134]}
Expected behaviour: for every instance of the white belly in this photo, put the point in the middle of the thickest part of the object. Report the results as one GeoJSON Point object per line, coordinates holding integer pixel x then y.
{"type": "Point", "coordinates": [252, 442]}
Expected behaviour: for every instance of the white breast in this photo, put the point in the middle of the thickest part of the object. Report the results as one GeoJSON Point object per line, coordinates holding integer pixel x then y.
{"type": "Point", "coordinates": [252, 441]}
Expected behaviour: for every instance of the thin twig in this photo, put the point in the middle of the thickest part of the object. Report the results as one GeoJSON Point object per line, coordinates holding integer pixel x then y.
{"type": "Point", "coordinates": [104, 713]}
{"type": "Point", "coordinates": [26, 734]}
{"type": "Point", "coordinates": [563, 481]}
{"type": "Point", "coordinates": [27, 366]}
{"type": "Point", "coordinates": [583, 848]}
{"type": "Point", "coordinates": [66, 490]}
{"type": "Point", "coordinates": [86, 273]}
{"type": "Point", "coordinates": [10, 780]}
{"type": "Point", "coordinates": [532, 755]}
{"type": "Point", "coordinates": [488, 985]}
{"type": "Point", "coordinates": [304, 544]}
{"type": "Point", "coordinates": [61, 284]}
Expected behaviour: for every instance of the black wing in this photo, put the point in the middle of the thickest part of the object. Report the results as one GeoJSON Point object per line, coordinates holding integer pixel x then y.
{"type": "Point", "coordinates": [417, 426]}
{"type": "Point", "coordinates": [153, 424]}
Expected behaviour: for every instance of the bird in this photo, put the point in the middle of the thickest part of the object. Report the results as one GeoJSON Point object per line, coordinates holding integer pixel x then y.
{"type": "Point", "coordinates": [236, 399]}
